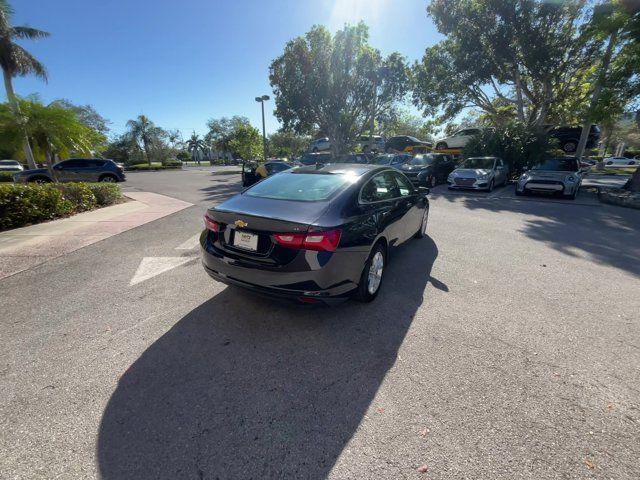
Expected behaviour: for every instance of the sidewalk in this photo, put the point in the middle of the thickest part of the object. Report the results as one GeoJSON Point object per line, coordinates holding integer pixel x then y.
{"type": "Point", "coordinates": [26, 247]}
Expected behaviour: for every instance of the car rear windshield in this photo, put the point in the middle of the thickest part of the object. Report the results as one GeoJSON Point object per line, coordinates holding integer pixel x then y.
{"type": "Point", "coordinates": [303, 187]}
{"type": "Point", "coordinates": [558, 164]}
{"type": "Point", "coordinates": [421, 160]}
{"type": "Point", "coordinates": [478, 163]}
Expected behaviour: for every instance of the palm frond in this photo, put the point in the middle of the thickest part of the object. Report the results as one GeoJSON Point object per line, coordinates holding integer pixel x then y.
{"type": "Point", "coordinates": [28, 33]}
{"type": "Point", "coordinates": [23, 63]}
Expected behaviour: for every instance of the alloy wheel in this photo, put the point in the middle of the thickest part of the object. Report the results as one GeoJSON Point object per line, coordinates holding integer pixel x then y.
{"type": "Point", "coordinates": [375, 272]}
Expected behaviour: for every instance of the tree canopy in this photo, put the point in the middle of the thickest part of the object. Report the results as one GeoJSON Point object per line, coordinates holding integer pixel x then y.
{"type": "Point", "coordinates": [337, 84]}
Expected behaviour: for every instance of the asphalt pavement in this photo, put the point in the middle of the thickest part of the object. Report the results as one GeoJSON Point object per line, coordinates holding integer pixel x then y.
{"type": "Point", "coordinates": [504, 345]}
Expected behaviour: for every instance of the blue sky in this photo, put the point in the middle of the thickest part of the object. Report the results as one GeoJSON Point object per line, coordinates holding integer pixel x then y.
{"type": "Point", "coordinates": [181, 63]}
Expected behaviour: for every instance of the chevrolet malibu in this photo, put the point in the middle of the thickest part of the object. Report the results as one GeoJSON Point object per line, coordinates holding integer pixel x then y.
{"type": "Point", "coordinates": [561, 176]}
{"type": "Point", "coordinates": [314, 235]}
{"type": "Point", "coordinates": [479, 173]}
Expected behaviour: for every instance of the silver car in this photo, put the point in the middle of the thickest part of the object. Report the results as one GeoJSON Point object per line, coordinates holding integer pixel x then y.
{"type": "Point", "coordinates": [561, 176]}
{"type": "Point", "coordinates": [320, 145]}
{"type": "Point", "coordinates": [479, 173]}
{"type": "Point", "coordinates": [10, 166]}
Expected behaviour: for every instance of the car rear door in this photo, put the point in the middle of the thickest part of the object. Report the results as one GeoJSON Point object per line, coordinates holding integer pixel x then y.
{"type": "Point", "coordinates": [68, 171]}
{"type": "Point", "coordinates": [408, 209]}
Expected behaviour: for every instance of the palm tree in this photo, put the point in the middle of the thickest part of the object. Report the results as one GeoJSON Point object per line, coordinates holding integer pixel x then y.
{"type": "Point", "coordinates": [144, 132]}
{"type": "Point", "coordinates": [17, 62]}
{"type": "Point", "coordinates": [194, 144]}
{"type": "Point", "coordinates": [53, 129]}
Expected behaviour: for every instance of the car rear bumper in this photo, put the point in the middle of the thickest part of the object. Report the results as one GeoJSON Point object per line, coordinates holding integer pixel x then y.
{"type": "Point", "coordinates": [313, 277]}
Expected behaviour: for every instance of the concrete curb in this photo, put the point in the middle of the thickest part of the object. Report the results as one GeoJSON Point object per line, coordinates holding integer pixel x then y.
{"type": "Point", "coordinates": [24, 248]}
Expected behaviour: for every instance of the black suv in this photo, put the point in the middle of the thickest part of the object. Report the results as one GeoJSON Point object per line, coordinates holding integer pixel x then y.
{"type": "Point", "coordinates": [75, 170]}
{"type": "Point", "coordinates": [568, 137]}
{"type": "Point", "coordinates": [400, 142]}
{"type": "Point", "coordinates": [429, 169]}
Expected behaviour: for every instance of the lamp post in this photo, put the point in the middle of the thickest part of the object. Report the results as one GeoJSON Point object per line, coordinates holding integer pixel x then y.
{"type": "Point", "coordinates": [262, 99]}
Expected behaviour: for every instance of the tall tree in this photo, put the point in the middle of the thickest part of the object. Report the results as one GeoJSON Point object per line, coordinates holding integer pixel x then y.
{"type": "Point", "coordinates": [18, 62]}
{"type": "Point", "coordinates": [336, 84]}
{"type": "Point", "coordinates": [288, 144]}
{"type": "Point", "coordinates": [194, 145]}
{"type": "Point", "coordinates": [145, 133]}
{"type": "Point", "coordinates": [221, 131]}
{"type": "Point", "coordinates": [52, 129]}
{"type": "Point", "coordinates": [246, 142]}
{"type": "Point", "coordinates": [87, 115]}
{"type": "Point", "coordinates": [526, 53]}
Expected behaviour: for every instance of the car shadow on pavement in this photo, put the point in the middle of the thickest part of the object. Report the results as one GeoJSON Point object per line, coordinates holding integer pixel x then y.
{"type": "Point", "coordinates": [220, 190]}
{"type": "Point", "coordinates": [605, 234]}
{"type": "Point", "coordinates": [242, 387]}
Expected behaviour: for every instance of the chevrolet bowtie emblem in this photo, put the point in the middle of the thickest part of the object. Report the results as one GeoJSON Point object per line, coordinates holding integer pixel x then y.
{"type": "Point", "coordinates": [240, 224]}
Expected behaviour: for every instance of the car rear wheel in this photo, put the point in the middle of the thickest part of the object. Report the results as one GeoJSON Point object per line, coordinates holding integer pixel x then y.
{"type": "Point", "coordinates": [371, 278]}
{"type": "Point", "coordinates": [315, 150]}
{"type": "Point", "coordinates": [39, 180]}
{"type": "Point", "coordinates": [108, 179]}
{"type": "Point", "coordinates": [423, 225]}
{"type": "Point", "coordinates": [570, 146]}
{"type": "Point", "coordinates": [441, 146]}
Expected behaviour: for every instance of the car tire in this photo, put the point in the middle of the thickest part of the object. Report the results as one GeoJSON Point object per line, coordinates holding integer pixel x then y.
{"type": "Point", "coordinates": [441, 146]}
{"type": "Point", "coordinates": [364, 293]}
{"type": "Point", "coordinates": [491, 185]}
{"type": "Point", "coordinates": [108, 178]}
{"type": "Point", "coordinates": [39, 180]}
{"type": "Point", "coordinates": [423, 225]}
{"type": "Point", "coordinates": [631, 163]}
{"type": "Point", "coordinates": [315, 150]}
{"type": "Point", "coordinates": [609, 163]}
{"type": "Point", "coordinates": [570, 146]}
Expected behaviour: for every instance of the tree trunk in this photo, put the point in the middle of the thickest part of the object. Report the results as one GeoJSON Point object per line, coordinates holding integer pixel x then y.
{"type": "Point", "coordinates": [519, 99]}
{"type": "Point", "coordinates": [13, 102]}
{"type": "Point", "coordinates": [49, 159]}
{"type": "Point", "coordinates": [595, 96]}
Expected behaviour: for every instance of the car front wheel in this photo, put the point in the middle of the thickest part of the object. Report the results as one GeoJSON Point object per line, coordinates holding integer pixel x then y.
{"type": "Point", "coordinates": [108, 179]}
{"type": "Point", "coordinates": [423, 225]}
{"type": "Point", "coordinates": [441, 146]}
{"type": "Point", "coordinates": [371, 278]}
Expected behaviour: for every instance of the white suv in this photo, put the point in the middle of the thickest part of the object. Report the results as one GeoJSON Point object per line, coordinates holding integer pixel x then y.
{"type": "Point", "coordinates": [320, 144]}
{"type": "Point", "coordinates": [375, 143]}
{"type": "Point", "coordinates": [458, 140]}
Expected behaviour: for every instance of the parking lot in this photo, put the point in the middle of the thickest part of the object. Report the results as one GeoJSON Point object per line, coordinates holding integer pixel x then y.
{"type": "Point", "coordinates": [506, 344]}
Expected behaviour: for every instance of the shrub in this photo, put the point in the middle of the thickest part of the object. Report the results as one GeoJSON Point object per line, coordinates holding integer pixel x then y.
{"type": "Point", "coordinates": [24, 204]}
{"type": "Point", "coordinates": [518, 145]}
{"type": "Point", "coordinates": [79, 194]}
{"type": "Point", "coordinates": [105, 193]}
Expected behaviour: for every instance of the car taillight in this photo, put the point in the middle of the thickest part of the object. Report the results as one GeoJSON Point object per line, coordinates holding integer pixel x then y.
{"type": "Point", "coordinates": [326, 241]}
{"type": "Point", "coordinates": [211, 224]}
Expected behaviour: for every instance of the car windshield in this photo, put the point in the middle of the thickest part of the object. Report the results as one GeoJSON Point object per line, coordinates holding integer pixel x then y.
{"type": "Point", "coordinates": [559, 165]}
{"type": "Point", "coordinates": [383, 159]}
{"type": "Point", "coordinates": [298, 186]}
{"type": "Point", "coordinates": [421, 160]}
{"type": "Point", "coordinates": [478, 163]}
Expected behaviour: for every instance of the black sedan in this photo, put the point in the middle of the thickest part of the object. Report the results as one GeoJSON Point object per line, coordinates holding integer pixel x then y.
{"type": "Point", "coordinates": [428, 169]}
{"type": "Point", "coordinates": [314, 234]}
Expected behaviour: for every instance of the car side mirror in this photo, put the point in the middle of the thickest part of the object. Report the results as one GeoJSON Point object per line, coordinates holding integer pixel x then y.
{"type": "Point", "coordinates": [423, 190]}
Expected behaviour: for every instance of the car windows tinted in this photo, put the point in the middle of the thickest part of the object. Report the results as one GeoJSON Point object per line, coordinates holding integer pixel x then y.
{"type": "Point", "coordinates": [304, 187]}
{"type": "Point", "coordinates": [379, 188]}
{"type": "Point", "coordinates": [559, 164]}
{"type": "Point", "coordinates": [404, 185]}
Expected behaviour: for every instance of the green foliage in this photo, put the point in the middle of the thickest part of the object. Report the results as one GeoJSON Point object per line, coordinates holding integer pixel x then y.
{"type": "Point", "coordinates": [335, 83]}
{"type": "Point", "coordinates": [52, 129]}
{"type": "Point", "coordinates": [402, 122]}
{"type": "Point", "coordinates": [508, 58]}
{"type": "Point", "coordinates": [24, 204]}
{"type": "Point", "coordinates": [105, 193]}
{"type": "Point", "coordinates": [195, 145]}
{"type": "Point", "coordinates": [287, 144]}
{"type": "Point", "coordinates": [222, 130]}
{"type": "Point", "coordinates": [183, 156]}
{"type": "Point", "coordinates": [79, 194]}
{"type": "Point", "coordinates": [148, 137]}
{"type": "Point", "coordinates": [155, 166]}
{"type": "Point", "coordinates": [518, 145]}
{"type": "Point", "coordinates": [246, 142]}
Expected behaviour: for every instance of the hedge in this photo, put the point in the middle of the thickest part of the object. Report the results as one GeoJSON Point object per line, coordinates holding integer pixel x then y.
{"type": "Point", "coordinates": [155, 166]}
{"type": "Point", "coordinates": [24, 204]}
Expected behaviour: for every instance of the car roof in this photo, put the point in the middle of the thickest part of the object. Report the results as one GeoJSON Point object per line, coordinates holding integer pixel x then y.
{"type": "Point", "coordinates": [356, 169]}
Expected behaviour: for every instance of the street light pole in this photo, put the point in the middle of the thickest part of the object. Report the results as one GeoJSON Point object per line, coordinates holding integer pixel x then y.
{"type": "Point", "coordinates": [262, 99]}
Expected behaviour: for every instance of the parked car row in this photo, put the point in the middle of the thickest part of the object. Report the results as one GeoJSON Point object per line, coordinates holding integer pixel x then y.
{"type": "Point", "coordinates": [75, 170]}
{"type": "Point", "coordinates": [374, 144]}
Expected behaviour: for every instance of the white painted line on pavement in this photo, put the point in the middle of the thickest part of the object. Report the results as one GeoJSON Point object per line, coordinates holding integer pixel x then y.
{"type": "Point", "coordinates": [190, 244]}
{"type": "Point", "coordinates": [151, 266]}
